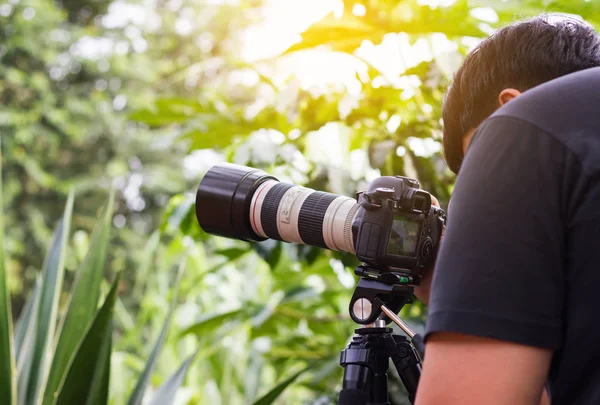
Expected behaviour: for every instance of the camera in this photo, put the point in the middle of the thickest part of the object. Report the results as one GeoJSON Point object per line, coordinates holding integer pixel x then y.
{"type": "Point", "coordinates": [392, 227]}
{"type": "Point", "coordinates": [397, 226]}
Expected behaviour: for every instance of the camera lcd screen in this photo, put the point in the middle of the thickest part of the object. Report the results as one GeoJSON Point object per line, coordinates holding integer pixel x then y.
{"type": "Point", "coordinates": [404, 237]}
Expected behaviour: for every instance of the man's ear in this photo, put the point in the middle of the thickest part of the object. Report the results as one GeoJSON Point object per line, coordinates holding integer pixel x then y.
{"type": "Point", "coordinates": [507, 94]}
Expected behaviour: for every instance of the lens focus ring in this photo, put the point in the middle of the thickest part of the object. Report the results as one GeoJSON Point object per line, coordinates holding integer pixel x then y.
{"type": "Point", "coordinates": [268, 215]}
{"type": "Point", "coordinates": [310, 220]}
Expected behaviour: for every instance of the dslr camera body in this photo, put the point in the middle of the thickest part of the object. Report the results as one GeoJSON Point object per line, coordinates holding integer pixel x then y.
{"type": "Point", "coordinates": [397, 226]}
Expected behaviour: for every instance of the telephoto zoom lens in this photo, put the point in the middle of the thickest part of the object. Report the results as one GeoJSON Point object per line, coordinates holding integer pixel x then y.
{"type": "Point", "coordinates": [244, 203]}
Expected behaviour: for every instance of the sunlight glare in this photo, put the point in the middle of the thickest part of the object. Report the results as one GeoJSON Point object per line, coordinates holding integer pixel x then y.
{"type": "Point", "coordinates": [393, 123]}
{"type": "Point", "coordinates": [423, 147]}
{"type": "Point", "coordinates": [486, 14]}
{"type": "Point", "coordinates": [359, 10]}
{"type": "Point", "coordinates": [319, 70]}
{"type": "Point", "coordinates": [436, 3]}
{"type": "Point", "coordinates": [283, 22]}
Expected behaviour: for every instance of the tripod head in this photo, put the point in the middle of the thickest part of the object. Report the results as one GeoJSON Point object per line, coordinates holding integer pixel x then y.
{"type": "Point", "coordinates": [376, 288]}
{"type": "Point", "coordinates": [377, 298]}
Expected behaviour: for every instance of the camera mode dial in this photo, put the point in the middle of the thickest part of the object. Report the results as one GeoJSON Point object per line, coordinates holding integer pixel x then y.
{"type": "Point", "coordinates": [426, 249]}
{"type": "Point", "coordinates": [384, 192]}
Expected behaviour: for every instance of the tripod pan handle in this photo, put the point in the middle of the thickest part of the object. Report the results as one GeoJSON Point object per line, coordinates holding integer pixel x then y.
{"type": "Point", "coordinates": [419, 344]}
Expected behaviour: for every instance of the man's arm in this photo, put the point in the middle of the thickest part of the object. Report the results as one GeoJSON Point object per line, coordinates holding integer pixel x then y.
{"type": "Point", "coordinates": [465, 370]}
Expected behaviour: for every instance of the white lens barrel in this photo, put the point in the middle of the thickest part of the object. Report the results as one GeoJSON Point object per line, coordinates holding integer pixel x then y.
{"type": "Point", "coordinates": [301, 215]}
{"type": "Point", "coordinates": [256, 205]}
{"type": "Point", "coordinates": [337, 226]}
{"type": "Point", "coordinates": [289, 211]}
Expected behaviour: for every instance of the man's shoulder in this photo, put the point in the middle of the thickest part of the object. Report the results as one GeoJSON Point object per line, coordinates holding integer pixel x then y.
{"type": "Point", "coordinates": [567, 109]}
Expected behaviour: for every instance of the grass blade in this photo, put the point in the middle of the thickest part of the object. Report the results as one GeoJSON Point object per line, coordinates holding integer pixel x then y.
{"type": "Point", "coordinates": [25, 342]}
{"type": "Point", "coordinates": [276, 391]}
{"type": "Point", "coordinates": [140, 388]}
{"type": "Point", "coordinates": [23, 329]}
{"type": "Point", "coordinates": [87, 377]}
{"type": "Point", "coordinates": [166, 392]}
{"type": "Point", "coordinates": [8, 382]}
{"type": "Point", "coordinates": [52, 278]}
{"type": "Point", "coordinates": [83, 304]}
{"type": "Point", "coordinates": [98, 393]}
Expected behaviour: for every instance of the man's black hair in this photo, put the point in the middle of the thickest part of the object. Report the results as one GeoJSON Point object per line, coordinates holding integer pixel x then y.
{"type": "Point", "coordinates": [520, 56]}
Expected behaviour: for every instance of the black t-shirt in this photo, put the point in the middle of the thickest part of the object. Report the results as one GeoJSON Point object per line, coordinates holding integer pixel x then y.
{"type": "Point", "coordinates": [520, 259]}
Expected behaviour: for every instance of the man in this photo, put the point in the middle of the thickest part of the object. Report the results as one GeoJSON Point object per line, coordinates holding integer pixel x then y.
{"type": "Point", "coordinates": [515, 298]}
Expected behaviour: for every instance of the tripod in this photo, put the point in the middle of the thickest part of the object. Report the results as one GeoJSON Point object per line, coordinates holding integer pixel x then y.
{"type": "Point", "coordinates": [377, 297]}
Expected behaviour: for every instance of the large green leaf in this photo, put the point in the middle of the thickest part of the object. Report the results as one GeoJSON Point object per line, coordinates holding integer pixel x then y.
{"type": "Point", "coordinates": [23, 329]}
{"type": "Point", "coordinates": [52, 279]}
{"type": "Point", "coordinates": [165, 395]}
{"type": "Point", "coordinates": [7, 359]}
{"type": "Point", "coordinates": [25, 335]}
{"type": "Point", "coordinates": [98, 392]}
{"type": "Point", "coordinates": [339, 34]}
{"type": "Point", "coordinates": [138, 393]}
{"type": "Point", "coordinates": [87, 379]}
{"type": "Point", "coordinates": [83, 304]}
{"type": "Point", "coordinates": [347, 32]}
{"type": "Point", "coordinates": [276, 391]}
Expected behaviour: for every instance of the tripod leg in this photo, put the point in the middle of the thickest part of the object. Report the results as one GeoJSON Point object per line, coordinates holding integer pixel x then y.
{"type": "Point", "coordinates": [380, 389]}
{"type": "Point", "coordinates": [365, 362]}
{"type": "Point", "coordinates": [357, 379]}
{"type": "Point", "coordinates": [407, 364]}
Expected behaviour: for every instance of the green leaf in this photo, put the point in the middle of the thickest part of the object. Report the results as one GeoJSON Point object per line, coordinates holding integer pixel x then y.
{"type": "Point", "coordinates": [270, 250]}
{"type": "Point", "coordinates": [141, 275]}
{"type": "Point", "coordinates": [52, 278]}
{"type": "Point", "coordinates": [509, 10]}
{"type": "Point", "coordinates": [88, 373]}
{"type": "Point", "coordinates": [25, 341]}
{"type": "Point", "coordinates": [218, 138]}
{"type": "Point", "coordinates": [212, 321]}
{"type": "Point", "coordinates": [140, 388]}
{"type": "Point", "coordinates": [98, 392]}
{"type": "Point", "coordinates": [274, 393]}
{"type": "Point", "coordinates": [168, 111]}
{"type": "Point", "coordinates": [8, 389]}
{"type": "Point", "coordinates": [299, 294]}
{"type": "Point", "coordinates": [84, 301]}
{"type": "Point", "coordinates": [266, 311]}
{"type": "Point", "coordinates": [24, 330]}
{"type": "Point", "coordinates": [347, 33]}
{"type": "Point", "coordinates": [340, 34]}
{"type": "Point", "coordinates": [232, 253]}
{"type": "Point", "coordinates": [178, 209]}
{"type": "Point", "coordinates": [165, 395]}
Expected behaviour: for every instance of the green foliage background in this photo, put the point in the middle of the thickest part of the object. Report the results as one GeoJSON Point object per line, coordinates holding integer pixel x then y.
{"type": "Point", "coordinates": [143, 96]}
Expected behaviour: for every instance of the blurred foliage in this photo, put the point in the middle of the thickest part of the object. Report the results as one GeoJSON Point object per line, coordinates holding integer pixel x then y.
{"type": "Point", "coordinates": [145, 95]}
{"type": "Point", "coordinates": [63, 126]}
{"type": "Point", "coordinates": [48, 362]}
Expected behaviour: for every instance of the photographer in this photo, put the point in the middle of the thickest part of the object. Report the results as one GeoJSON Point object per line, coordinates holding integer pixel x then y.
{"type": "Point", "coordinates": [515, 291]}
